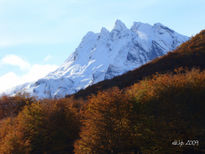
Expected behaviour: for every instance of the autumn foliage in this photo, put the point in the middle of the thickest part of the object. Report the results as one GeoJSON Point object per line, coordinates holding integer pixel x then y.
{"type": "Point", "coordinates": [11, 106]}
{"type": "Point", "coordinates": [42, 127]}
{"type": "Point", "coordinates": [144, 118]}
{"type": "Point", "coordinates": [150, 108]}
{"type": "Point", "coordinates": [107, 125]}
{"type": "Point", "coordinates": [147, 117]}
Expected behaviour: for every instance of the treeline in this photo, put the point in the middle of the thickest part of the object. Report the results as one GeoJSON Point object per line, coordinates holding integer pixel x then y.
{"type": "Point", "coordinates": [144, 118]}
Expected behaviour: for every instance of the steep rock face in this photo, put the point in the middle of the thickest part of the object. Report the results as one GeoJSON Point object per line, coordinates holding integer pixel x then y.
{"type": "Point", "coordinates": [104, 55]}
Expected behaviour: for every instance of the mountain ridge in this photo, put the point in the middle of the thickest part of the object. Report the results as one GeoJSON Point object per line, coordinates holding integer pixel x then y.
{"type": "Point", "coordinates": [104, 55]}
{"type": "Point", "coordinates": [190, 54]}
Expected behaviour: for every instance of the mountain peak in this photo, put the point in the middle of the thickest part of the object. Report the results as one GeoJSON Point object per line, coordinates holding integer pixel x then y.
{"type": "Point", "coordinates": [140, 26]}
{"type": "Point", "coordinates": [104, 33]}
{"type": "Point", "coordinates": [158, 24]}
{"type": "Point", "coordinates": [105, 55]}
{"type": "Point", "coordinates": [89, 34]}
{"type": "Point", "coordinates": [119, 25]}
{"type": "Point", "coordinates": [104, 30]}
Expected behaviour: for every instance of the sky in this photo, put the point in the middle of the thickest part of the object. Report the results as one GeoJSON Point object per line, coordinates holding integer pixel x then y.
{"type": "Point", "coordinates": [37, 36]}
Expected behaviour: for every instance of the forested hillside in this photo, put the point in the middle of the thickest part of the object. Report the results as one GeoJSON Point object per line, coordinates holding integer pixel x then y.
{"type": "Point", "coordinates": [156, 109]}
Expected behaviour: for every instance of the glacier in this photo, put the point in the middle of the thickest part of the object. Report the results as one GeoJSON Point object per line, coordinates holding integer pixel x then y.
{"type": "Point", "coordinates": [104, 55]}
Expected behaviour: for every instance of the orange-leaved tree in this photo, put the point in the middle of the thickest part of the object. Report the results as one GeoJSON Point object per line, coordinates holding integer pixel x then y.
{"type": "Point", "coordinates": [107, 125]}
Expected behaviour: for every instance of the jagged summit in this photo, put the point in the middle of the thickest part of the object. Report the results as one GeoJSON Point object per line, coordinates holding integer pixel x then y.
{"type": "Point", "coordinates": [119, 25]}
{"type": "Point", "coordinates": [105, 55]}
{"type": "Point", "coordinates": [158, 24]}
{"type": "Point", "coordinates": [136, 25]}
{"type": "Point", "coordinates": [189, 55]}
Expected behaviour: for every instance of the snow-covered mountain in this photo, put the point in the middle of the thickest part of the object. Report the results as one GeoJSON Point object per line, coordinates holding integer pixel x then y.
{"type": "Point", "coordinates": [104, 55]}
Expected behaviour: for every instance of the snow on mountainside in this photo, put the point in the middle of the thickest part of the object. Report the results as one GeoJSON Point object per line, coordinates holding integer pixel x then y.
{"type": "Point", "coordinates": [104, 55]}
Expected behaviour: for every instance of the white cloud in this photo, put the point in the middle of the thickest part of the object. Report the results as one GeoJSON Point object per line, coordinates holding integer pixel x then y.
{"type": "Point", "coordinates": [15, 61]}
{"type": "Point", "coordinates": [33, 72]}
{"type": "Point", "coordinates": [8, 80]}
{"type": "Point", "coordinates": [38, 71]}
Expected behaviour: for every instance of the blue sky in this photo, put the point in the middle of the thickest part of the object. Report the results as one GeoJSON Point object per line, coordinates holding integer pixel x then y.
{"type": "Point", "coordinates": [41, 34]}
